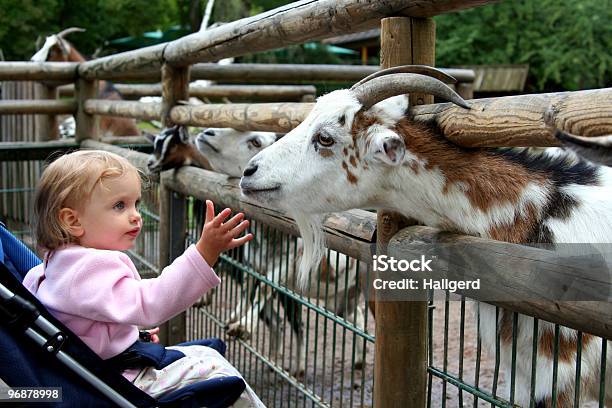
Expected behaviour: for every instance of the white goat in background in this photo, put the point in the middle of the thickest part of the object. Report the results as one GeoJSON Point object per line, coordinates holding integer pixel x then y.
{"type": "Point", "coordinates": [229, 150]}
{"type": "Point", "coordinates": [346, 155]}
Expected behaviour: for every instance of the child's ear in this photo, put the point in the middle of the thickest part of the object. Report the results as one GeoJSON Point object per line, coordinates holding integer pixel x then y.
{"type": "Point", "coordinates": [70, 220]}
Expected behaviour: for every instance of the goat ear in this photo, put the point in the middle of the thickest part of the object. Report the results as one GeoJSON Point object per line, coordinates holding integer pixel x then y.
{"type": "Point", "coordinates": [150, 137]}
{"type": "Point", "coordinates": [183, 134]}
{"type": "Point", "coordinates": [387, 146]}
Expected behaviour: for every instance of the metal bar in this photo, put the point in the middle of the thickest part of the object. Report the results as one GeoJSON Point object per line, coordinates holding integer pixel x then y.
{"type": "Point", "coordinates": [495, 401]}
{"type": "Point", "coordinates": [445, 353]}
{"type": "Point", "coordinates": [461, 346]}
{"type": "Point", "coordinates": [497, 353]}
{"type": "Point", "coordinates": [555, 372]}
{"type": "Point", "coordinates": [578, 369]}
{"type": "Point", "coordinates": [478, 354]}
{"type": "Point", "coordinates": [513, 361]}
{"type": "Point", "coordinates": [300, 299]}
{"type": "Point", "coordinates": [602, 373]}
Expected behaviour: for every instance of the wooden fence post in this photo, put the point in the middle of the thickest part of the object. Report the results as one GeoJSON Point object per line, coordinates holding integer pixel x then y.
{"type": "Point", "coordinates": [175, 87]}
{"type": "Point", "coordinates": [86, 124]}
{"type": "Point", "coordinates": [400, 368]}
{"type": "Point", "coordinates": [46, 125]}
{"type": "Point", "coordinates": [172, 244]}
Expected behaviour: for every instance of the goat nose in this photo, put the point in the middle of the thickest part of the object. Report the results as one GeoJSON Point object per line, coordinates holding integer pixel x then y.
{"type": "Point", "coordinates": [250, 170]}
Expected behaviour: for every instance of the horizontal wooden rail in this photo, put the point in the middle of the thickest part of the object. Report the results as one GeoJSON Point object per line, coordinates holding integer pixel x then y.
{"type": "Point", "coordinates": [516, 281]}
{"type": "Point", "coordinates": [136, 158]}
{"type": "Point", "coordinates": [522, 120]}
{"type": "Point", "coordinates": [19, 151]}
{"type": "Point", "coordinates": [125, 140]}
{"type": "Point", "coordinates": [266, 92]}
{"type": "Point", "coordinates": [297, 73]}
{"type": "Point", "coordinates": [129, 109]}
{"type": "Point", "coordinates": [277, 73]}
{"type": "Point", "coordinates": [27, 106]}
{"type": "Point", "coordinates": [272, 117]}
{"type": "Point", "coordinates": [257, 92]}
{"type": "Point", "coordinates": [295, 23]}
{"type": "Point", "coordinates": [38, 71]}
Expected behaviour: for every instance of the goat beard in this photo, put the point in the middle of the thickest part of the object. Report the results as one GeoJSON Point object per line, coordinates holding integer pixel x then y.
{"type": "Point", "coordinates": [311, 229]}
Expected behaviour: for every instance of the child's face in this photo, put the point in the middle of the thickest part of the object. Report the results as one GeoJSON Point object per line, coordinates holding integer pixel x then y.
{"type": "Point", "coordinates": [110, 219]}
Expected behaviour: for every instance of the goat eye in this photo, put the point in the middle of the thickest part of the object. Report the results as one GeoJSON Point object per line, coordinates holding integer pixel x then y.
{"type": "Point", "coordinates": [325, 140]}
{"type": "Point", "coordinates": [256, 143]}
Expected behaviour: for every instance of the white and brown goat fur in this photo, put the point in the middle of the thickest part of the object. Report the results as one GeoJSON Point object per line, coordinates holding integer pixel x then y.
{"type": "Point", "coordinates": [57, 48]}
{"type": "Point", "coordinates": [228, 151]}
{"type": "Point", "coordinates": [173, 148]}
{"type": "Point", "coordinates": [347, 155]}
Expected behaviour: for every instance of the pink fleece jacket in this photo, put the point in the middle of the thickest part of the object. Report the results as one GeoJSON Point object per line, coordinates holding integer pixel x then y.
{"type": "Point", "coordinates": [100, 296]}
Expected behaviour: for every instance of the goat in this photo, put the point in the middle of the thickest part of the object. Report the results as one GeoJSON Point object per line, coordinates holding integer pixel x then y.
{"type": "Point", "coordinates": [57, 49]}
{"type": "Point", "coordinates": [228, 150]}
{"type": "Point", "coordinates": [347, 154]}
{"type": "Point", "coordinates": [172, 148]}
{"type": "Point", "coordinates": [596, 149]}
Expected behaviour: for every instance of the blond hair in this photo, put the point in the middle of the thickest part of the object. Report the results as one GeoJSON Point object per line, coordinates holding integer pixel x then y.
{"type": "Point", "coordinates": [69, 182]}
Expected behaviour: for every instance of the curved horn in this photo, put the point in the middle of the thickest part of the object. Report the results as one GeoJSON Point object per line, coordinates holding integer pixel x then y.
{"type": "Point", "coordinates": [604, 141]}
{"type": "Point", "coordinates": [410, 69]}
{"type": "Point", "coordinates": [70, 30]}
{"type": "Point", "coordinates": [39, 42]}
{"type": "Point", "coordinates": [378, 89]}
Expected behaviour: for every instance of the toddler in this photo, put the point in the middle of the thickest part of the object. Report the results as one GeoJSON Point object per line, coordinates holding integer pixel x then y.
{"type": "Point", "coordinates": [86, 209]}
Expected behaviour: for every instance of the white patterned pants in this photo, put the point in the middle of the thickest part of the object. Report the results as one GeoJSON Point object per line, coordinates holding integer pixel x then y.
{"type": "Point", "coordinates": [200, 363]}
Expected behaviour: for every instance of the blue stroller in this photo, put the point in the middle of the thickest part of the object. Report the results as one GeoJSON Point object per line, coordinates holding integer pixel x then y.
{"type": "Point", "coordinates": [36, 350]}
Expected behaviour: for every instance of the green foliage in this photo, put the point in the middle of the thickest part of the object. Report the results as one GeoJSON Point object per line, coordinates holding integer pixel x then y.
{"type": "Point", "coordinates": [230, 10]}
{"type": "Point", "coordinates": [295, 54]}
{"type": "Point", "coordinates": [22, 21]}
{"type": "Point", "coordinates": [566, 43]}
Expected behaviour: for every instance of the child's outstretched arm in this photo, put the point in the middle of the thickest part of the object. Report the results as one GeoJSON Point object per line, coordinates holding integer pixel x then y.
{"type": "Point", "coordinates": [218, 236]}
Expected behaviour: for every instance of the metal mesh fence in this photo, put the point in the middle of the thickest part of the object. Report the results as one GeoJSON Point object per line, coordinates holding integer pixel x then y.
{"type": "Point", "coordinates": [294, 350]}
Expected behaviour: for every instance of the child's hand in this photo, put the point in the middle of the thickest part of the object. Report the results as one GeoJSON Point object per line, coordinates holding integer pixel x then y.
{"type": "Point", "coordinates": [218, 236]}
{"type": "Point", "coordinates": [154, 332]}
